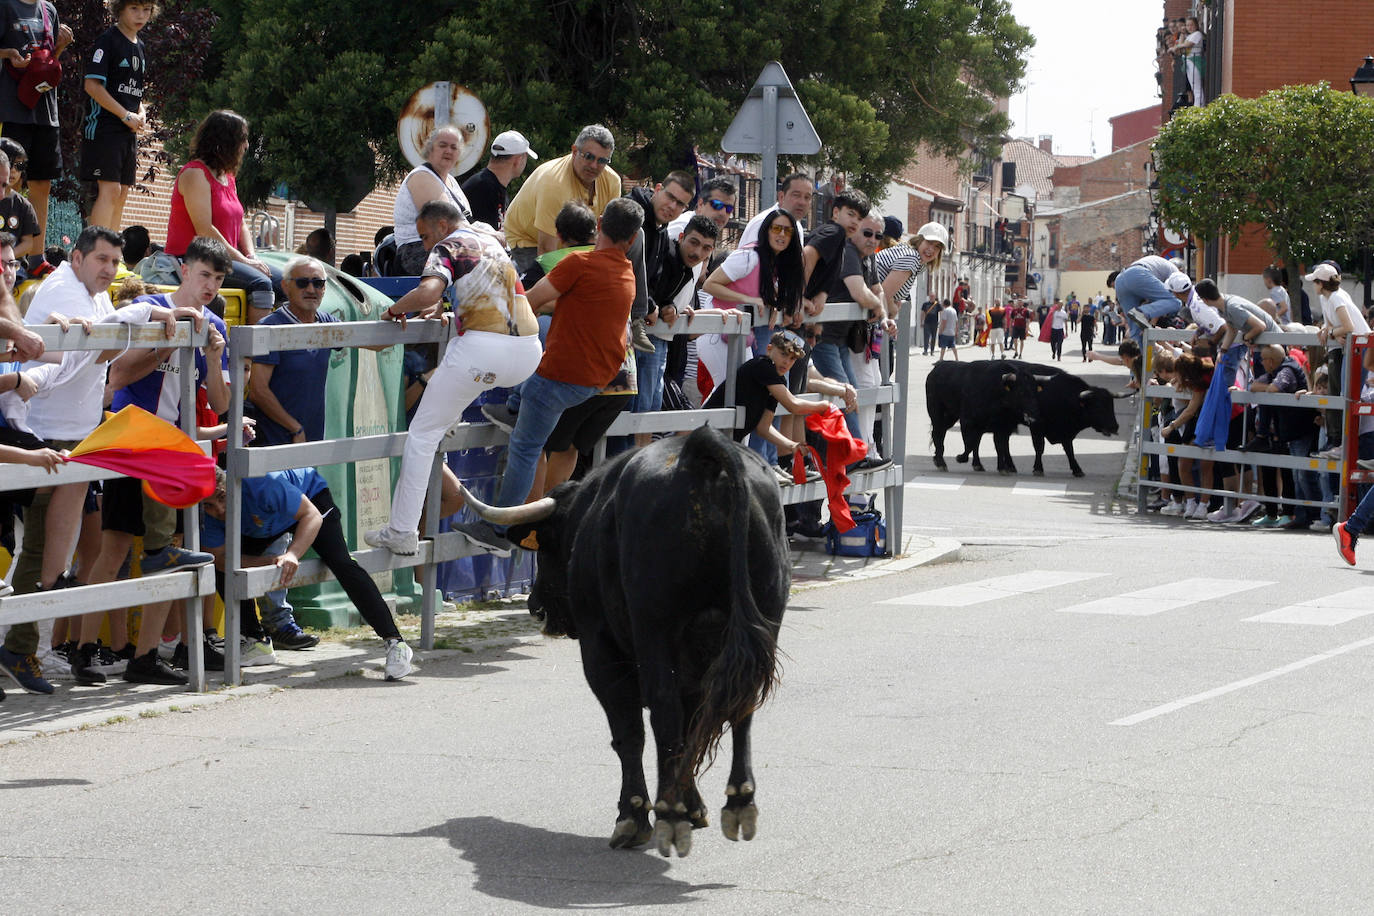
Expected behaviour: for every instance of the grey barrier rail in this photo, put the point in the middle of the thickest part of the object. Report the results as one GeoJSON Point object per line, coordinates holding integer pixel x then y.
{"type": "Point", "coordinates": [188, 586]}
{"type": "Point", "coordinates": [435, 547]}
{"type": "Point", "coordinates": [1146, 410]}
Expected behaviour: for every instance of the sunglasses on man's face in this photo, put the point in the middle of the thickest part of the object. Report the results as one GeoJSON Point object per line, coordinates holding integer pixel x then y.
{"type": "Point", "coordinates": [721, 205]}
{"type": "Point", "coordinates": [870, 234]}
{"type": "Point", "coordinates": [303, 282]}
{"type": "Point", "coordinates": [593, 157]}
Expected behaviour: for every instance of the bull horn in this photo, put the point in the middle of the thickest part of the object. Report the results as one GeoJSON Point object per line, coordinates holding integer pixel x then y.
{"type": "Point", "coordinates": [1084, 394]}
{"type": "Point", "coordinates": [1122, 394]}
{"type": "Point", "coordinates": [1009, 378]}
{"type": "Point", "coordinates": [529, 513]}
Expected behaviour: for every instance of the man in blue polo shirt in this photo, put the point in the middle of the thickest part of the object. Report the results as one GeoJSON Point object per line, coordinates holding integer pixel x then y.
{"type": "Point", "coordinates": [299, 501]}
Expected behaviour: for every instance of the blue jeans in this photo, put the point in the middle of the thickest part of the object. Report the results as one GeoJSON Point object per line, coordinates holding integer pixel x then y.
{"type": "Point", "coordinates": [276, 612]}
{"type": "Point", "coordinates": [541, 405]}
{"type": "Point", "coordinates": [513, 399]}
{"type": "Point", "coordinates": [1137, 288]}
{"type": "Point", "coordinates": [262, 289]}
{"type": "Point", "coordinates": [1305, 482]}
{"type": "Point", "coordinates": [1359, 519]}
{"type": "Point", "coordinates": [649, 373]}
{"type": "Point", "coordinates": [832, 364]}
{"type": "Point", "coordinates": [757, 443]}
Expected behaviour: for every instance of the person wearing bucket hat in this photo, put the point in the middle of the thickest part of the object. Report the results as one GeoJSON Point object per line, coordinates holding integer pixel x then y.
{"type": "Point", "coordinates": [486, 191]}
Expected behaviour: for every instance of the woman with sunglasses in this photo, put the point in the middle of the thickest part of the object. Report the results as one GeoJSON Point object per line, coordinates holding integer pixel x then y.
{"type": "Point", "coordinates": [205, 202]}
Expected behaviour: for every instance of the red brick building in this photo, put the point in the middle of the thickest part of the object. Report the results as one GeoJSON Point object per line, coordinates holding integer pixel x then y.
{"type": "Point", "coordinates": [1254, 46]}
{"type": "Point", "coordinates": [1130, 128]}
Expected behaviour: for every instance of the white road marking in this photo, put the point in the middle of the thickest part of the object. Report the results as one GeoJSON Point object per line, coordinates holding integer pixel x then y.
{"type": "Point", "coordinates": [1038, 488]}
{"type": "Point", "coordinates": [944, 482]}
{"type": "Point", "coordinates": [1245, 682]}
{"type": "Point", "coordinates": [1327, 611]}
{"type": "Point", "coordinates": [992, 589]}
{"type": "Point", "coordinates": [1168, 597]}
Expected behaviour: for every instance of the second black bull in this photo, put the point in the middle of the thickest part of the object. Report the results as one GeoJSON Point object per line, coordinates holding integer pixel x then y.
{"type": "Point", "coordinates": [999, 395]}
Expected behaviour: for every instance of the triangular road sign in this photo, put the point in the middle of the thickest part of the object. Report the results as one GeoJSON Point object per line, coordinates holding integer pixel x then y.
{"type": "Point", "coordinates": [794, 131]}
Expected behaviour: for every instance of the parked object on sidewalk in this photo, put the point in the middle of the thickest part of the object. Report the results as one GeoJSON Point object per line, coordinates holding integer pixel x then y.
{"type": "Point", "coordinates": [868, 537]}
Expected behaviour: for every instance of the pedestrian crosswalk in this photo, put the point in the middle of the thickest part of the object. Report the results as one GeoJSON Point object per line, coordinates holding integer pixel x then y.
{"type": "Point", "coordinates": [1097, 593]}
{"type": "Point", "coordinates": [947, 482]}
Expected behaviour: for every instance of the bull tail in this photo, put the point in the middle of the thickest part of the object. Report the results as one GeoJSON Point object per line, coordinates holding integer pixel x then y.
{"type": "Point", "coordinates": [744, 672]}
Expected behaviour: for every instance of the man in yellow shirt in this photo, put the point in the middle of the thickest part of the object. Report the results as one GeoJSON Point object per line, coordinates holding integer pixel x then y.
{"type": "Point", "coordinates": [584, 175]}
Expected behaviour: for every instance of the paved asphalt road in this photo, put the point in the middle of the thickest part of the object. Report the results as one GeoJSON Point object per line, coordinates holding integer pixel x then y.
{"type": "Point", "coordinates": [1088, 712]}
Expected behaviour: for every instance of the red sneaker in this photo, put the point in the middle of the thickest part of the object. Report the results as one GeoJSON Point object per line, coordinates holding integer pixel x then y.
{"type": "Point", "coordinates": [1345, 542]}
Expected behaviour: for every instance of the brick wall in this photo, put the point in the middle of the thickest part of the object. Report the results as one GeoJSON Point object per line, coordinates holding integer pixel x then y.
{"type": "Point", "coordinates": [355, 230]}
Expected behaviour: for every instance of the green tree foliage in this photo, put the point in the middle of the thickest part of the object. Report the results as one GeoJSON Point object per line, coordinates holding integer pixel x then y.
{"type": "Point", "coordinates": [321, 80]}
{"type": "Point", "coordinates": [1298, 161]}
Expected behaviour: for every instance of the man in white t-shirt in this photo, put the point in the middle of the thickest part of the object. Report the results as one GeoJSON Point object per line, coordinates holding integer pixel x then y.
{"type": "Point", "coordinates": [1340, 318]}
{"type": "Point", "coordinates": [1208, 320]}
{"type": "Point", "coordinates": [794, 196]}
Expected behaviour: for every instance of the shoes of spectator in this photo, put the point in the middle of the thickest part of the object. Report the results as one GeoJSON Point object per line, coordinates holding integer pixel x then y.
{"type": "Point", "coordinates": [127, 653]}
{"type": "Point", "coordinates": [174, 559]}
{"type": "Point", "coordinates": [5, 588]}
{"type": "Point", "coordinates": [1334, 453]}
{"type": "Point", "coordinates": [24, 670]}
{"type": "Point", "coordinates": [784, 478]}
{"type": "Point", "coordinates": [62, 652]}
{"type": "Point", "coordinates": [85, 663]}
{"type": "Point", "coordinates": [1345, 542]}
{"type": "Point", "coordinates": [1258, 444]}
{"type": "Point", "coordinates": [405, 543]}
{"type": "Point", "coordinates": [485, 536]}
{"type": "Point", "coordinates": [167, 646]}
{"type": "Point", "coordinates": [1139, 317]}
{"type": "Point", "coordinates": [398, 656]}
{"type": "Point", "coordinates": [293, 638]}
{"type": "Point", "coordinates": [107, 661]}
{"type": "Point", "coordinates": [871, 463]}
{"type": "Point", "coordinates": [1269, 521]}
{"type": "Point", "coordinates": [254, 653]}
{"type": "Point", "coordinates": [149, 668]}
{"type": "Point", "coordinates": [1156, 505]}
{"type": "Point", "coordinates": [1366, 464]}
{"type": "Point", "coordinates": [639, 337]}
{"type": "Point", "coordinates": [213, 638]}
{"type": "Point", "coordinates": [1295, 524]}
{"type": "Point", "coordinates": [811, 530]}
{"type": "Point", "coordinates": [500, 415]}
{"type": "Point", "coordinates": [1246, 509]}
{"type": "Point", "coordinates": [1320, 524]}
{"type": "Point", "coordinates": [214, 656]}
{"type": "Point", "coordinates": [1222, 515]}
{"type": "Point", "coordinates": [1174, 507]}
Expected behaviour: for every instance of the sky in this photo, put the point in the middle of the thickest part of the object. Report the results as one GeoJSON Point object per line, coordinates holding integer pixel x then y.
{"type": "Point", "coordinates": [1092, 60]}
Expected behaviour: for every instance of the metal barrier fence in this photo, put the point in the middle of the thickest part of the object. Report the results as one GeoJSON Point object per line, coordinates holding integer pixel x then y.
{"type": "Point", "coordinates": [188, 586]}
{"type": "Point", "coordinates": [243, 583]}
{"type": "Point", "coordinates": [1152, 392]}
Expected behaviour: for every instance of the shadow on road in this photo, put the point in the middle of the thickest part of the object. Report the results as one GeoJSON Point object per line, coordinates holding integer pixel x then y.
{"type": "Point", "coordinates": [571, 872]}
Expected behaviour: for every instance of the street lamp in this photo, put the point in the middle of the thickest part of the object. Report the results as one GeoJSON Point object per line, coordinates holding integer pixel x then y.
{"type": "Point", "coordinates": [1362, 84]}
{"type": "Point", "coordinates": [1113, 249]}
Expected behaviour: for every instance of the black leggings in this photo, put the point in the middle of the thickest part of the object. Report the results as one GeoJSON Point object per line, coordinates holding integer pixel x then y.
{"type": "Point", "coordinates": [331, 547]}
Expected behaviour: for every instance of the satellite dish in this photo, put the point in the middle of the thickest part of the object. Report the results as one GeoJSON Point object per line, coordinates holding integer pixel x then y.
{"type": "Point", "coordinates": [444, 104]}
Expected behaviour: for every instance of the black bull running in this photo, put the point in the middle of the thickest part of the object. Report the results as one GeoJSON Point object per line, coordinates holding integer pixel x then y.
{"type": "Point", "coordinates": [670, 565]}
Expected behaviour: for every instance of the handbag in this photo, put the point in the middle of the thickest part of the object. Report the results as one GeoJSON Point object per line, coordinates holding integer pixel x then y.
{"type": "Point", "coordinates": [859, 336]}
{"type": "Point", "coordinates": [44, 71]}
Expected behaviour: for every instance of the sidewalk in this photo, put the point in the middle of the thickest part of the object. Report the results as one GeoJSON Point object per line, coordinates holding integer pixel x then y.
{"type": "Point", "coordinates": [462, 631]}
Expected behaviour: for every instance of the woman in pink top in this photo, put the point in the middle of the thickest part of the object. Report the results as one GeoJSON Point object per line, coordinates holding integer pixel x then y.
{"type": "Point", "coordinates": [205, 202]}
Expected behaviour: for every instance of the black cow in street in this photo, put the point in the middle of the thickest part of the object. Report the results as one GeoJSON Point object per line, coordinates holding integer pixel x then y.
{"type": "Point", "coordinates": [990, 396]}
{"type": "Point", "coordinates": [1068, 405]}
{"type": "Point", "coordinates": [670, 565]}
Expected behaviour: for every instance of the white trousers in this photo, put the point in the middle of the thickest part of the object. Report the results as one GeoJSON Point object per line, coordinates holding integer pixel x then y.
{"type": "Point", "coordinates": [474, 362]}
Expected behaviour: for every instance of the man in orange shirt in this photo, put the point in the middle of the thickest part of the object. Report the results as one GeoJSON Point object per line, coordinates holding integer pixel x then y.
{"type": "Point", "coordinates": [590, 294]}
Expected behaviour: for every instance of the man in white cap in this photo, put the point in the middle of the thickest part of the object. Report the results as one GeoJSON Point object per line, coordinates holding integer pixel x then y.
{"type": "Point", "coordinates": [1208, 320]}
{"type": "Point", "coordinates": [486, 191]}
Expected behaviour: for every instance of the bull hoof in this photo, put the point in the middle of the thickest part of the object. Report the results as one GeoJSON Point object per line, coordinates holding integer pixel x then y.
{"type": "Point", "coordinates": [672, 830]}
{"type": "Point", "coordinates": [1078, 472]}
{"type": "Point", "coordinates": [1038, 472]}
{"type": "Point", "coordinates": [940, 465]}
{"type": "Point", "coordinates": [977, 466]}
{"type": "Point", "coordinates": [632, 830]}
{"type": "Point", "coordinates": [963, 459]}
{"type": "Point", "coordinates": [739, 822]}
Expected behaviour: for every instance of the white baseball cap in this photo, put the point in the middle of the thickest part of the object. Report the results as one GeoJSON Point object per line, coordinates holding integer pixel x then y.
{"type": "Point", "coordinates": [1178, 283]}
{"type": "Point", "coordinates": [512, 143]}
{"type": "Point", "coordinates": [1323, 272]}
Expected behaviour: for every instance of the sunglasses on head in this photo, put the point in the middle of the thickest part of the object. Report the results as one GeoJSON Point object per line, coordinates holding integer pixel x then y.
{"type": "Point", "coordinates": [303, 282]}
{"type": "Point", "coordinates": [593, 157]}
{"type": "Point", "coordinates": [721, 205]}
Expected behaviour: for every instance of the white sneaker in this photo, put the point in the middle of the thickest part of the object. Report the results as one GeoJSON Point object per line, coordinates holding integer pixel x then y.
{"type": "Point", "coordinates": [1200, 512]}
{"type": "Point", "coordinates": [254, 653]}
{"type": "Point", "coordinates": [398, 656]}
{"type": "Point", "coordinates": [1189, 508]}
{"type": "Point", "coordinates": [1173, 508]}
{"type": "Point", "coordinates": [402, 542]}
{"type": "Point", "coordinates": [1222, 515]}
{"type": "Point", "coordinates": [1245, 510]}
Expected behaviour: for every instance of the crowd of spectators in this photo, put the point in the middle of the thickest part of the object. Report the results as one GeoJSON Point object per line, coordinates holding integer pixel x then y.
{"type": "Point", "coordinates": [564, 295]}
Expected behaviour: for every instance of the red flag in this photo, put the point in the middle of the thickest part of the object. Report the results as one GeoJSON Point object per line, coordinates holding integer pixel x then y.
{"type": "Point", "coordinates": [174, 470]}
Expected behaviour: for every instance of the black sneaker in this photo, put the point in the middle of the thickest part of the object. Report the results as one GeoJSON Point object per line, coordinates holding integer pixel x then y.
{"type": "Point", "coordinates": [294, 639]}
{"type": "Point", "coordinates": [483, 535]}
{"type": "Point", "coordinates": [127, 653]}
{"type": "Point", "coordinates": [149, 669]}
{"type": "Point", "coordinates": [214, 657]}
{"type": "Point", "coordinates": [213, 638]}
{"type": "Point", "coordinates": [86, 665]}
{"type": "Point", "coordinates": [65, 650]}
